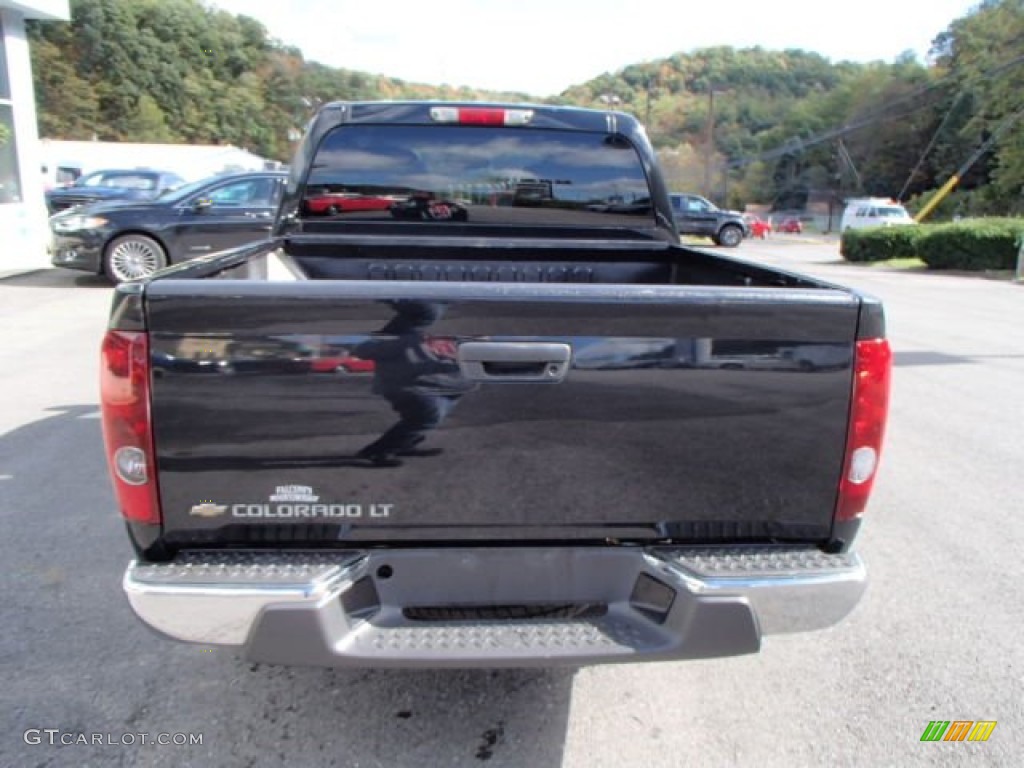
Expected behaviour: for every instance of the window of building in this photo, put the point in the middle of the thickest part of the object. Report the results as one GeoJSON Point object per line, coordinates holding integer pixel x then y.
{"type": "Point", "coordinates": [10, 186]}
{"type": "Point", "coordinates": [10, 181]}
{"type": "Point", "coordinates": [5, 83]}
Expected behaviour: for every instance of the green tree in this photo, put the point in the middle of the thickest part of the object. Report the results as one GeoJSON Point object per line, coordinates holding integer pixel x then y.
{"type": "Point", "coordinates": [148, 123]}
{"type": "Point", "coordinates": [982, 52]}
{"type": "Point", "coordinates": [178, 71]}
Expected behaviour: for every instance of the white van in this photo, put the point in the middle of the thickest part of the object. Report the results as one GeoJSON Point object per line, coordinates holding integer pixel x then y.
{"type": "Point", "coordinates": [873, 212]}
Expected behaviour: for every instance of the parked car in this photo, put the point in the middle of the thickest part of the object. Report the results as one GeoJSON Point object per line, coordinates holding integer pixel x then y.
{"type": "Point", "coordinates": [424, 206]}
{"type": "Point", "coordinates": [873, 212]}
{"type": "Point", "coordinates": [104, 186]}
{"type": "Point", "coordinates": [128, 240]}
{"type": "Point", "coordinates": [790, 225]}
{"type": "Point", "coordinates": [695, 215]}
{"type": "Point", "coordinates": [341, 364]}
{"type": "Point", "coordinates": [757, 226]}
{"type": "Point", "coordinates": [335, 203]}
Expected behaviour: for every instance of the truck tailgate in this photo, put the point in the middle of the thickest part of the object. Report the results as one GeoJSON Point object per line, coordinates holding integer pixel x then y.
{"type": "Point", "coordinates": [327, 412]}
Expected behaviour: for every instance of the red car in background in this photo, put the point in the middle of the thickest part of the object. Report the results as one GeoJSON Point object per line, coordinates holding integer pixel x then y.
{"type": "Point", "coordinates": [757, 226]}
{"type": "Point", "coordinates": [333, 203]}
{"type": "Point", "coordinates": [341, 364]}
{"type": "Point", "coordinates": [791, 225]}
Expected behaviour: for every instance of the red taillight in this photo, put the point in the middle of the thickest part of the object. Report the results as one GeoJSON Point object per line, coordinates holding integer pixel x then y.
{"type": "Point", "coordinates": [124, 398]}
{"type": "Point", "coordinates": [472, 116]}
{"type": "Point", "coordinates": [871, 379]}
{"type": "Point", "coordinates": [481, 115]}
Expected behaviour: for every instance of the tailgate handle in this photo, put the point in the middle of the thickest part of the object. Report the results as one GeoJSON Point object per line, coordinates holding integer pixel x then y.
{"type": "Point", "coordinates": [514, 361]}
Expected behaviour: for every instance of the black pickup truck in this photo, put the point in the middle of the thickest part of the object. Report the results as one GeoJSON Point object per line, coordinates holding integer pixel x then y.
{"type": "Point", "coordinates": [495, 433]}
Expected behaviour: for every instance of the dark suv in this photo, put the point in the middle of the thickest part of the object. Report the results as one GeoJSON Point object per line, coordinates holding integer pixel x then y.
{"type": "Point", "coordinates": [695, 215]}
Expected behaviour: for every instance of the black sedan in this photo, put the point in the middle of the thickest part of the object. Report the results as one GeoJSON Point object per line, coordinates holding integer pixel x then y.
{"type": "Point", "coordinates": [127, 240]}
{"type": "Point", "coordinates": [104, 186]}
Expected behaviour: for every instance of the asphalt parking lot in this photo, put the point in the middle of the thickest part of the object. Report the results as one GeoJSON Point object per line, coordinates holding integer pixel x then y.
{"type": "Point", "coordinates": [936, 638]}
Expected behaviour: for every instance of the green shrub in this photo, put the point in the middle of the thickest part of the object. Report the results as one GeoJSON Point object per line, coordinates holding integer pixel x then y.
{"type": "Point", "coordinates": [879, 243]}
{"type": "Point", "coordinates": [971, 245]}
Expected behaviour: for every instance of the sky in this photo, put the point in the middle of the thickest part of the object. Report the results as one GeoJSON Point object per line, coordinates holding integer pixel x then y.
{"type": "Point", "coordinates": [541, 47]}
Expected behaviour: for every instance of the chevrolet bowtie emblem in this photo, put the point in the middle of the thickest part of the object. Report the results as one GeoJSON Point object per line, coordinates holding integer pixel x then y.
{"type": "Point", "coordinates": [208, 510]}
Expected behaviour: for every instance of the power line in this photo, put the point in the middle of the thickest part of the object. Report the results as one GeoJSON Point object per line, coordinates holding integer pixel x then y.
{"type": "Point", "coordinates": [875, 116]}
{"type": "Point", "coordinates": [945, 119]}
{"type": "Point", "coordinates": [999, 131]}
{"type": "Point", "coordinates": [799, 145]}
{"type": "Point", "coordinates": [963, 169]}
{"type": "Point", "coordinates": [931, 144]}
{"type": "Point", "coordinates": [844, 153]}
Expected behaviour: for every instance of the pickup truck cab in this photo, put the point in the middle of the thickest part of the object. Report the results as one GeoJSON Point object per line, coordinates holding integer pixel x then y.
{"type": "Point", "coordinates": [695, 215]}
{"type": "Point", "coordinates": [541, 460]}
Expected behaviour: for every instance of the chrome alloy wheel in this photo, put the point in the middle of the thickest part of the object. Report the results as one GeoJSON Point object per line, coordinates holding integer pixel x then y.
{"type": "Point", "coordinates": [730, 236]}
{"type": "Point", "coordinates": [131, 259]}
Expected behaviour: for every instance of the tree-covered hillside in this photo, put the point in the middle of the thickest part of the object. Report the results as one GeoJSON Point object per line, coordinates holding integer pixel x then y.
{"type": "Point", "coordinates": [779, 126]}
{"type": "Point", "coordinates": [752, 119]}
{"type": "Point", "coordinates": [176, 71]}
{"type": "Point", "coordinates": [752, 125]}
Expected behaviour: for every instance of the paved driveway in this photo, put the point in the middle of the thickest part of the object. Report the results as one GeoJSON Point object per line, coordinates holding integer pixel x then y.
{"type": "Point", "coordinates": [937, 638]}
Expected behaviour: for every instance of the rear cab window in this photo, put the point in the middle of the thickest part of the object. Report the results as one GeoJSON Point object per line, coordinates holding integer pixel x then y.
{"type": "Point", "coordinates": [445, 175]}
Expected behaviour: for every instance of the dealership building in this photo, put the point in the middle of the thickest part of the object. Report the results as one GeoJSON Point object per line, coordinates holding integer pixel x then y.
{"type": "Point", "coordinates": [23, 230]}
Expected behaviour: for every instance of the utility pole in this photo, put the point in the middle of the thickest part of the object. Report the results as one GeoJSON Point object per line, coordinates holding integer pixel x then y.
{"type": "Point", "coordinates": [1019, 274]}
{"type": "Point", "coordinates": [710, 142]}
{"type": "Point", "coordinates": [946, 188]}
{"type": "Point", "coordinates": [653, 83]}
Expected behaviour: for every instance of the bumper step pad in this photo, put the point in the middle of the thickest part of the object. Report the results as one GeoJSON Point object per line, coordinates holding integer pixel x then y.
{"type": "Point", "coordinates": [747, 562]}
{"type": "Point", "coordinates": [353, 608]}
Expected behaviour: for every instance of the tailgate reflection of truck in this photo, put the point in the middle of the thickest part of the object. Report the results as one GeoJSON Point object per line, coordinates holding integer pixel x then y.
{"type": "Point", "coordinates": [544, 458]}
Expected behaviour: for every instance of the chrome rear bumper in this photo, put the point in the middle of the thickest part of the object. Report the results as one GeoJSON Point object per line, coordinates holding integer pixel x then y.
{"type": "Point", "coordinates": [494, 606]}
